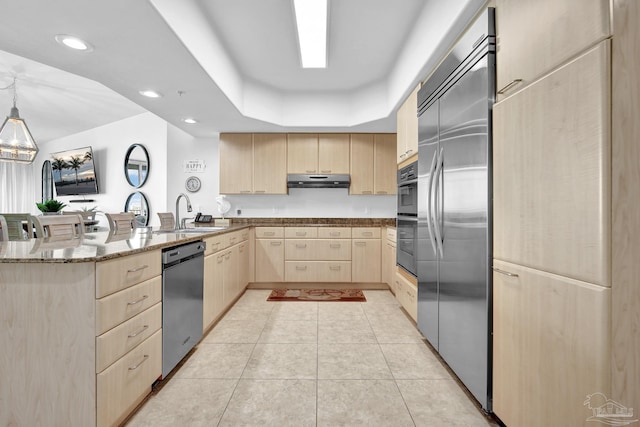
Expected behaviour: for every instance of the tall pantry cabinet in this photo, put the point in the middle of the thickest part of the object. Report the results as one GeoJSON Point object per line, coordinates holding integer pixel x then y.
{"type": "Point", "coordinates": [566, 295]}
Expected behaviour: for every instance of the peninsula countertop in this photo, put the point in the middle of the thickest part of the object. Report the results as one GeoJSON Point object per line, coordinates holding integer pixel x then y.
{"type": "Point", "coordinates": [102, 245]}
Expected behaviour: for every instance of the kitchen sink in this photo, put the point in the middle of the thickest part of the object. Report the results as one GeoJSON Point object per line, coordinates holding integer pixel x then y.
{"type": "Point", "coordinates": [192, 230]}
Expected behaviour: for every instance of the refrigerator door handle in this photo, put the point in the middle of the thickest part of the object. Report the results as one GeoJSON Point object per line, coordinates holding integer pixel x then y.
{"type": "Point", "coordinates": [436, 185]}
{"type": "Point", "coordinates": [429, 201]}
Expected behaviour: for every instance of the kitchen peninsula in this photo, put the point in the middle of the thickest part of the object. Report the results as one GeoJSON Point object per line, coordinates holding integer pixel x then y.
{"type": "Point", "coordinates": [80, 319]}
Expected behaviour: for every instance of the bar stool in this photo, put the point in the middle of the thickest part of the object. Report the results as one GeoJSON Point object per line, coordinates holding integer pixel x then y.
{"type": "Point", "coordinates": [4, 231]}
{"type": "Point", "coordinates": [167, 220]}
{"type": "Point", "coordinates": [69, 226]}
{"type": "Point", "coordinates": [16, 223]}
{"type": "Point", "coordinates": [121, 223]}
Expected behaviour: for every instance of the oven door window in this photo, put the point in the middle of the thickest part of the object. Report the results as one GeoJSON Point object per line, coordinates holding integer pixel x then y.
{"type": "Point", "coordinates": [406, 246]}
{"type": "Point", "coordinates": [408, 199]}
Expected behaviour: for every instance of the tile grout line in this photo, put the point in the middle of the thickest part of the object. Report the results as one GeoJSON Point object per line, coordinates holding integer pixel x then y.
{"type": "Point", "coordinates": [245, 365]}
{"type": "Point", "coordinates": [393, 376]}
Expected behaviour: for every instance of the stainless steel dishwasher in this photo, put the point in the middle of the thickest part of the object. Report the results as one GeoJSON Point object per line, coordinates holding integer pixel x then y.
{"type": "Point", "coordinates": [182, 276]}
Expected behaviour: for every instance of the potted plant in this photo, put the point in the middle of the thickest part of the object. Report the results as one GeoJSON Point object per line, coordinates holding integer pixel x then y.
{"type": "Point", "coordinates": [50, 207]}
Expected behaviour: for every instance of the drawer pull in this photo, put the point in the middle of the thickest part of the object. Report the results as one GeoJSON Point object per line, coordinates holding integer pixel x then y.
{"type": "Point", "coordinates": [301, 245]}
{"type": "Point", "coordinates": [135, 270]}
{"type": "Point", "coordinates": [144, 359]}
{"type": "Point", "coordinates": [301, 267]}
{"type": "Point", "coordinates": [335, 245]}
{"type": "Point", "coordinates": [361, 243]}
{"type": "Point", "coordinates": [509, 86]}
{"type": "Point", "coordinates": [301, 233]}
{"type": "Point", "coordinates": [367, 192]}
{"type": "Point", "coordinates": [325, 171]}
{"type": "Point", "coordinates": [220, 258]}
{"type": "Point", "coordinates": [311, 171]}
{"type": "Point", "coordinates": [245, 191]}
{"type": "Point", "coordinates": [506, 273]}
{"type": "Point", "coordinates": [227, 255]}
{"type": "Point", "coordinates": [409, 151]}
{"type": "Point", "coordinates": [269, 233]}
{"type": "Point", "coordinates": [381, 192]}
{"type": "Point", "coordinates": [335, 233]}
{"type": "Point", "coordinates": [261, 191]}
{"type": "Point", "coordinates": [135, 334]}
{"type": "Point", "coordinates": [144, 297]}
{"type": "Point", "coordinates": [276, 243]}
{"type": "Point", "coordinates": [334, 267]}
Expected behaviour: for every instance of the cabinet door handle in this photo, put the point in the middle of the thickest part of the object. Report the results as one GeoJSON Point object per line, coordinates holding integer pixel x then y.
{"type": "Point", "coordinates": [220, 258]}
{"type": "Point", "coordinates": [135, 334]}
{"type": "Point", "coordinates": [144, 359]}
{"type": "Point", "coordinates": [269, 233]}
{"type": "Point", "coordinates": [334, 234]}
{"type": "Point", "coordinates": [260, 191]}
{"type": "Point", "coordinates": [301, 233]}
{"type": "Point", "coordinates": [409, 152]}
{"type": "Point", "coordinates": [144, 297]}
{"type": "Point", "coordinates": [335, 245]}
{"type": "Point", "coordinates": [506, 273]}
{"type": "Point", "coordinates": [334, 267]}
{"type": "Point", "coordinates": [301, 267]}
{"type": "Point", "coordinates": [325, 171]}
{"type": "Point", "coordinates": [403, 155]}
{"type": "Point", "coordinates": [311, 171]}
{"type": "Point", "coordinates": [381, 192]}
{"type": "Point", "coordinates": [367, 192]}
{"type": "Point", "coordinates": [509, 86]}
{"type": "Point", "coordinates": [301, 245]}
{"type": "Point", "coordinates": [135, 270]}
{"type": "Point", "coordinates": [245, 191]}
{"type": "Point", "coordinates": [367, 233]}
{"type": "Point", "coordinates": [276, 243]}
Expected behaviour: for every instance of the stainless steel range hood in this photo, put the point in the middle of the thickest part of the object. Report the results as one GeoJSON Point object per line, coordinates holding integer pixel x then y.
{"type": "Point", "coordinates": [318, 181]}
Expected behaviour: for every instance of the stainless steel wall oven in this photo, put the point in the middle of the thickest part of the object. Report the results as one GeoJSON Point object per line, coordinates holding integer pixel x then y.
{"type": "Point", "coordinates": [407, 220]}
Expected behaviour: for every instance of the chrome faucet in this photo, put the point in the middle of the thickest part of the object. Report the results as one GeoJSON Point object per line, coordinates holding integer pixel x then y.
{"type": "Point", "coordinates": [178, 207]}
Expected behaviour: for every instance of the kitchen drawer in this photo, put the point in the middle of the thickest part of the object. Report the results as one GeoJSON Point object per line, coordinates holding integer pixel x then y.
{"type": "Point", "coordinates": [365, 232]}
{"type": "Point", "coordinates": [317, 271]}
{"type": "Point", "coordinates": [334, 232]}
{"type": "Point", "coordinates": [121, 306]}
{"type": "Point", "coordinates": [115, 343]}
{"type": "Point", "coordinates": [301, 232]}
{"type": "Point", "coordinates": [269, 232]}
{"type": "Point", "coordinates": [391, 234]}
{"type": "Point", "coordinates": [215, 244]}
{"type": "Point", "coordinates": [407, 295]}
{"type": "Point", "coordinates": [317, 250]}
{"type": "Point", "coordinates": [233, 238]}
{"type": "Point", "coordinates": [120, 273]}
{"type": "Point", "coordinates": [244, 234]}
{"type": "Point", "coordinates": [123, 385]}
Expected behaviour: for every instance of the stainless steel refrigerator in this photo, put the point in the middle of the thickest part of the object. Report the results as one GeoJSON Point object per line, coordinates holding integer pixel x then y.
{"type": "Point", "coordinates": [454, 207]}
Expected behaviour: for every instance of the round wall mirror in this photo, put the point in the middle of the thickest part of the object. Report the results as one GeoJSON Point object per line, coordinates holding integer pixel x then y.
{"type": "Point", "coordinates": [136, 165]}
{"type": "Point", "coordinates": [139, 205]}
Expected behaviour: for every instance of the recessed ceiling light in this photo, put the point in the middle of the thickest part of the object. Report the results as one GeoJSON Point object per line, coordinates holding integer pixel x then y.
{"type": "Point", "coordinates": [189, 120]}
{"type": "Point", "coordinates": [311, 20]}
{"type": "Point", "coordinates": [150, 93]}
{"type": "Point", "coordinates": [73, 42]}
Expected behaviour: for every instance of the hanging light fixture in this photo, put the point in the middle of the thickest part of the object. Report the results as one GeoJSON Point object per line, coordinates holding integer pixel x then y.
{"type": "Point", "coordinates": [16, 142]}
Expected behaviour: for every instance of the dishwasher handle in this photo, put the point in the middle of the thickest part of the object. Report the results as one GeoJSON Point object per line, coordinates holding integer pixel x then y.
{"type": "Point", "coordinates": [181, 253]}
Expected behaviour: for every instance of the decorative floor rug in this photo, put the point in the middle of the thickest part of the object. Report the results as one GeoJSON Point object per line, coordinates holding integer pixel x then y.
{"type": "Point", "coordinates": [353, 295]}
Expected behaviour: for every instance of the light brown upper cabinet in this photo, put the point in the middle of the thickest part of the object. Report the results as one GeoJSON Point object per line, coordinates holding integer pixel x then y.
{"type": "Point", "coordinates": [535, 36]}
{"type": "Point", "coordinates": [310, 153]}
{"type": "Point", "coordinates": [373, 164]}
{"type": "Point", "coordinates": [407, 118]}
{"type": "Point", "coordinates": [253, 163]}
{"type": "Point", "coordinates": [551, 185]}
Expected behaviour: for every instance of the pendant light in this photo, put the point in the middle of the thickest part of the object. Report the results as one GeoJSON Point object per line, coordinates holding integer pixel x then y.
{"type": "Point", "coordinates": [16, 143]}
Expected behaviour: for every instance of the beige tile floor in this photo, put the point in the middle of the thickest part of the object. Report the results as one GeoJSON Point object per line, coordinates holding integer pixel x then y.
{"type": "Point", "coordinates": [311, 364]}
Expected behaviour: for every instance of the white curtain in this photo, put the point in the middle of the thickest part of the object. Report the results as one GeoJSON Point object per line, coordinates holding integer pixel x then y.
{"type": "Point", "coordinates": [18, 187]}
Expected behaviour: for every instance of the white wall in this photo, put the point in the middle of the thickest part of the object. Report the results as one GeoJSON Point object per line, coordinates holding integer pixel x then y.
{"type": "Point", "coordinates": [110, 143]}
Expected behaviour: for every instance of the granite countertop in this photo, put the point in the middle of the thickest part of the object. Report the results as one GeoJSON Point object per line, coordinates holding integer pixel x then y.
{"type": "Point", "coordinates": [100, 246]}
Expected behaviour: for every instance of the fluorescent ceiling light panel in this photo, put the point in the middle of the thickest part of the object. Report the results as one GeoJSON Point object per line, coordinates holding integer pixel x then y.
{"type": "Point", "coordinates": [311, 19]}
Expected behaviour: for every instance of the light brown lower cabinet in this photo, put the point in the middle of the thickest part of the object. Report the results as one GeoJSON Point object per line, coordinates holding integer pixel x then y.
{"type": "Point", "coordinates": [365, 260]}
{"type": "Point", "coordinates": [212, 299]}
{"type": "Point", "coordinates": [406, 294]}
{"type": "Point", "coordinates": [269, 260]}
{"type": "Point", "coordinates": [551, 346]}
